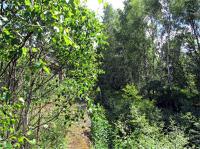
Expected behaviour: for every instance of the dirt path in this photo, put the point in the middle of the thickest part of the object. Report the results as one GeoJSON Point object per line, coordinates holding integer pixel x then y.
{"type": "Point", "coordinates": [78, 134]}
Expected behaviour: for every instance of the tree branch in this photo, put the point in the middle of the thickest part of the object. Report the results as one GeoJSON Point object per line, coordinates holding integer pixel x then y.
{"type": "Point", "coordinates": [15, 57]}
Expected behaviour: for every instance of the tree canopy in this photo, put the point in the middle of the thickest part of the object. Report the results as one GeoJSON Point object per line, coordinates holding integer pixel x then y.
{"type": "Point", "coordinates": [132, 76]}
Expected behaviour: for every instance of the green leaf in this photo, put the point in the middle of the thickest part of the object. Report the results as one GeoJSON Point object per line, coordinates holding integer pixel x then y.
{"type": "Point", "coordinates": [6, 31]}
{"type": "Point", "coordinates": [17, 145]}
{"type": "Point", "coordinates": [32, 141]}
{"type": "Point", "coordinates": [21, 139]}
{"type": "Point", "coordinates": [68, 40]}
{"type": "Point", "coordinates": [105, 5]}
{"type": "Point", "coordinates": [24, 51]}
{"type": "Point", "coordinates": [100, 1]}
{"type": "Point", "coordinates": [76, 2]}
{"type": "Point", "coordinates": [46, 69]}
{"type": "Point", "coordinates": [27, 2]}
{"type": "Point", "coordinates": [29, 133]}
{"type": "Point", "coordinates": [34, 50]}
{"type": "Point", "coordinates": [83, 18]}
{"type": "Point", "coordinates": [8, 145]}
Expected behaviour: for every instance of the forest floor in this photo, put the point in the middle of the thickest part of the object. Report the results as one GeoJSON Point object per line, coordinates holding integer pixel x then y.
{"type": "Point", "coordinates": [78, 135]}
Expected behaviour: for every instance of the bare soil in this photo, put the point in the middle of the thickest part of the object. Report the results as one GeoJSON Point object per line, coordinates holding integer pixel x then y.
{"type": "Point", "coordinates": [78, 135]}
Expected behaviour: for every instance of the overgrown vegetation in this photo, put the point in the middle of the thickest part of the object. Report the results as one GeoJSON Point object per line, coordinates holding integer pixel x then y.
{"type": "Point", "coordinates": [100, 129]}
{"type": "Point", "coordinates": [137, 70]}
{"type": "Point", "coordinates": [48, 61]}
{"type": "Point", "coordinates": [153, 44]}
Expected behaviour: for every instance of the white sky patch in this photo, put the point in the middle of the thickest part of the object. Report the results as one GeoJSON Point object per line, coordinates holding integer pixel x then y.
{"type": "Point", "coordinates": [98, 8]}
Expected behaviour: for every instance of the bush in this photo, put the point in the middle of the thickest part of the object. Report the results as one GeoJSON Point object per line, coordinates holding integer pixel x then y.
{"type": "Point", "coordinates": [100, 129]}
{"type": "Point", "coordinates": [143, 128]}
{"type": "Point", "coordinates": [191, 124]}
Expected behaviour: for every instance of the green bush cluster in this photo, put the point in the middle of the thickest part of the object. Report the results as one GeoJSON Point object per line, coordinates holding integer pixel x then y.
{"type": "Point", "coordinates": [144, 127]}
{"type": "Point", "coordinates": [100, 128]}
{"type": "Point", "coordinates": [139, 125]}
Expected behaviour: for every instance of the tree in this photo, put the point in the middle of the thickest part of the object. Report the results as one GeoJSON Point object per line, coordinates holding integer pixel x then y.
{"type": "Point", "coordinates": [48, 58]}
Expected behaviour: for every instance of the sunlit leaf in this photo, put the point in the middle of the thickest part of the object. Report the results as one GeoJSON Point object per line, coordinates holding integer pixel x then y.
{"type": "Point", "coordinates": [100, 1]}
{"type": "Point", "coordinates": [68, 40]}
{"type": "Point", "coordinates": [27, 2]}
{"type": "Point", "coordinates": [24, 51]}
{"type": "Point", "coordinates": [46, 69]}
{"type": "Point", "coordinates": [21, 100]}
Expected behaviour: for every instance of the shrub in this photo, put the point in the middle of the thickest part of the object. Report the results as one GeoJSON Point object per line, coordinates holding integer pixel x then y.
{"type": "Point", "coordinates": [100, 129]}
{"type": "Point", "coordinates": [143, 128]}
{"type": "Point", "coordinates": [191, 125]}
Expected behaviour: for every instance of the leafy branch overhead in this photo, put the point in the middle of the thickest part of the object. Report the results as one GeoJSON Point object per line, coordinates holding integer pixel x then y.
{"type": "Point", "coordinates": [48, 60]}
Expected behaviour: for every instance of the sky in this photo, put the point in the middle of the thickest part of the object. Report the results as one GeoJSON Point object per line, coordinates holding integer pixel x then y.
{"type": "Point", "coordinates": [94, 5]}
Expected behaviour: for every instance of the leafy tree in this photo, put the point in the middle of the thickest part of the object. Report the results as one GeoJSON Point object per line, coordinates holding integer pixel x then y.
{"type": "Point", "coordinates": [153, 44]}
{"type": "Point", "coordinates": [48, 58]}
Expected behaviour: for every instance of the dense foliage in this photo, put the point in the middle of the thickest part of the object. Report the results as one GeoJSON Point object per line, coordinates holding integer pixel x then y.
{"type": "Point", "coordinates": [48, 60]}
{"type": "Point", "coordinates": [100, 129]}
{"type": "Point", "coordinates": [143, 91]}
{"type": "Point", "coordinates": [153, 44]}
{"type": "Point", "coordinates": [143, 127]}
